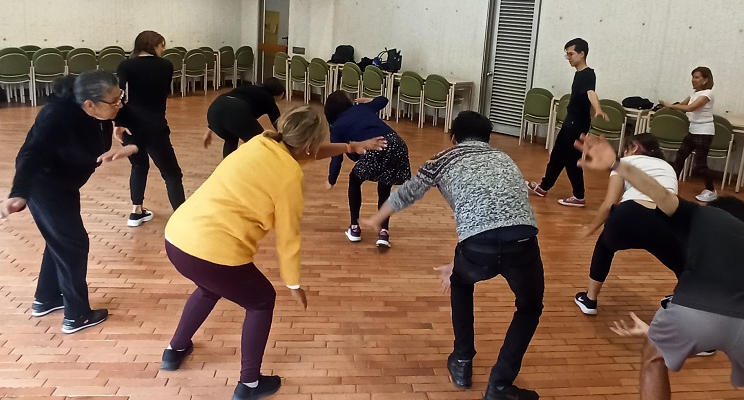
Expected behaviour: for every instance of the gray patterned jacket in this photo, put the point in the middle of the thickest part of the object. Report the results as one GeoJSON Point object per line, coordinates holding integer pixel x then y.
{"type": "Point", "coordinates": [482, 185]}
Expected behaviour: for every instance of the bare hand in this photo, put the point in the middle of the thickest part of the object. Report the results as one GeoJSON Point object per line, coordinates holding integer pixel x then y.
{"type": "Point", "coordinates": [115, 154]}
{"type": "Point", "coordinates": [371, 223]}
{"type": "Point", "coordinates": [12, 205]}
{"type": "Point", "coordinates": [299, 296]}
{"type": "Point", "coordinates": [378, 143]}
{"type": "Point", "coordinates": [119, 132]}
{"type": "Point", "coordinates": [207, 139]}
{"type": "Point", "coordinates": [328, 186]}
{"type": "Point", "coordinates": [362, 100]}
{"type": "Point", "coordinates": [600, 113]}
{"type": "Point", "coordinates": [597, 153]}
{"type": "Point", "coordinates": [664, 103]}
{"type": "Point", "coordinates": [639, 327]}
{"type": "Point", "coordinates": [445, 272]}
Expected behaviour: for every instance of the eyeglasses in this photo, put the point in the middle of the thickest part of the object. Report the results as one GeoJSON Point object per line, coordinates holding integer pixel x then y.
{"type": "Point", "coordinates": [118, 102]}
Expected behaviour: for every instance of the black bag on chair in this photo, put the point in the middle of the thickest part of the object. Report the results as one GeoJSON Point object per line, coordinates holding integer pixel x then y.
{"type": "Point", "coordinates": [343, 54]}
{"type": "Point", "coordinates": [390, 60]}
{"type": "Point", "coordinates": [638, 103]}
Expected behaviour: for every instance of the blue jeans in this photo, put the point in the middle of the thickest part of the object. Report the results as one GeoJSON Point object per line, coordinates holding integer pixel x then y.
{"type": "Point", "coordinates": [480, 258]}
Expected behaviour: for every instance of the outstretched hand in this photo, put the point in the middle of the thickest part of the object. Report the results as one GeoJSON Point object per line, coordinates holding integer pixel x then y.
{"type": "Point", "coordinates": [597, 153]}
{"type": "Point", "coordinates": [207, 139]}
{"type": "Point", "coordinates": [639, 327]}
{"type": "Point", "coordinates": [115, 154]}
{"type": "Point", "coordinates": [11, 205]}
{"type": "Point", "coordinates": [378, 143]}
{"type": "Point", "coordinates": [299, 296]}
{"type": "Point", "coordinates": [119, 132]}
{"type": "Point", "coordinates": [600, 113]}
{"type": "Point", "coordinates": [445, 272]}
{"type": "Point", "coordinates": [372, 224]}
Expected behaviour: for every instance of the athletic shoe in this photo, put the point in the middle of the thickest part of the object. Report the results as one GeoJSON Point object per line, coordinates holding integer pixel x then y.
{"type": "Point", "coordinates": [354, 233]}
{"type": "Point", "coordinates": [707, 195]}
{"type": "Point", "coordinates": [94, 317]}
{"type": "Point", "coordinates": [460, 371]}
{"type": "Point", "coordinates": [137, 219]}
{"type": "Point", "coordinates": [587, 306]}
{"type": "Point", "coordinates": [39, 309]}
{"type": "Point", "coordinates": [535, 188]}
{"type": "Point", "coordinates": [572, 202]}
{"type": "Point", "coordinates": [383, 239]}
{"type": "Point", "coordinates": [172, 358]}
{"type": "Point", "coordinates": [267, 385]}
{"type": "Point", "coordinates": [509, 393]}
{"type": "Point", "coordinates": [706, 353]}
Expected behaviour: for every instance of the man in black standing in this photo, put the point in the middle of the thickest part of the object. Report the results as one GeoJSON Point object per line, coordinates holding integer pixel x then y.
{"type": "Point", "coordinates": [583, 106]}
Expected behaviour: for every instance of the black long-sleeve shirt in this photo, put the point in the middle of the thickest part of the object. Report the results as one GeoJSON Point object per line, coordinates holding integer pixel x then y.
{"type": "Point", "coordinates": [149, 81]}
{"type": "Point", "coordinates": [62, 146]}
{"type": "Point", "coordinates": [260, 100]}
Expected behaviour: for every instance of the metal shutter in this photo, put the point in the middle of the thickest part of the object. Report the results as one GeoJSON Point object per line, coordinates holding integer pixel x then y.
{"type": "Point", "coordinates": [513, 57]}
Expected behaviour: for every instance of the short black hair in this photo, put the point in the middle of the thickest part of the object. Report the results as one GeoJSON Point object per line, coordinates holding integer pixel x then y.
{"type": "Point", "coordinates": [274, 86]}
{"type": "Point", "coordinates": [469, 125]}
{"type": "Point", "coordinates": [336, 104]}
{"type": "Point", "coordinates": [731, 205]}
{"type": "Point", "coordinates": [579, 44]}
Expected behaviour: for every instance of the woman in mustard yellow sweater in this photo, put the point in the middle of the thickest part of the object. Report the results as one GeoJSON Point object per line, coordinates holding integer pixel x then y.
{"type": "Point", "coordinates": [212, 238]}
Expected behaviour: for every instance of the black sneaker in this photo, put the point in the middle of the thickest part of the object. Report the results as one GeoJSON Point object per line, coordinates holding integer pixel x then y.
{"type": "Point", "coordinates": [137, 219]}
{"type": "Point", "coordinates": [39, 309]}
{"type": "Point", "coordinates": [94, 317]}
{"type": "Point", "coordinates": [383, 239]}
{"type": "Point", "coordinates": [509, 393]}
{"type": "Point", "coordinates": [587, 306]}
{"type": "Point", "coordinates": [460, 371]}
{"type": "Point", "coordinates": [172, 359]}
{"type": "Point", "coordinates": [267, 385]}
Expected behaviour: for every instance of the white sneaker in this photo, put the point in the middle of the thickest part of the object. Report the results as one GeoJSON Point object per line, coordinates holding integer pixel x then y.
{"type": "Point", "coordinates": [707, 195]}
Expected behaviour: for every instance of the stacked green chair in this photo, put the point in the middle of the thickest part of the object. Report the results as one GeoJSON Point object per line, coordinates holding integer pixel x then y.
{"type": "Point", "coordinates": [30, 49]}
{"type": "Point", "coordinates": [109, 62]}
{"type": "Point", "coordinates": [561, 112]}
{"type": "Point", "coordinates": [351, 76]}
{"type": "Point", "coordinates": [281, 60]}
{"type": "Point", "coordinates": [317, 76]}
{"type": "Point", "coordinates": [411, 93]}
{"type": "Point", "coordinates": [720, 148]}
{"type": "Point", "coordinates": [48, 65]}
{"type": "Point", "coordinates": [195, 66]}
{"type": "Point", "coordinates": [436, 95]}
{"type": "Point", "coordinates": [176, 58]}
{"type": "Point", "coordinates": [244, 62]}
{"type": "Point", "coordinates": [227, 65]}
{"type": "Point", "coordinates": [212, 67]}
{"type": "Point", "coordinates": [65, 49]}
{"type": "Point", "coordinates": [298, 74]}
{"type": "Point", "coordinates": [15, 72]}
{"type": "Point", "coordinates": [535, 111]}
{"type": "Point", "coordinates": [81, 60]}
{"type": "Point", "coordinates": [614, 127]}
{"type": "Point", "coordinates": [669, 130]}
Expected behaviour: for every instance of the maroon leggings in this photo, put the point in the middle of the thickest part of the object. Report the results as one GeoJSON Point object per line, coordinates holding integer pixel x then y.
{"type": "Point", "coordinates": [245, 286]}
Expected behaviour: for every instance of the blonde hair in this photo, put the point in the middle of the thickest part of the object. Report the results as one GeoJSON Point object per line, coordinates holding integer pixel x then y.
{"type": "Point", "coordinates": [302, 128]}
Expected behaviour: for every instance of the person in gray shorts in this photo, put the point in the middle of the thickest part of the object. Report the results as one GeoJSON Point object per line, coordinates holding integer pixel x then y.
{"type": "Point", "coordinates": [707, 308]}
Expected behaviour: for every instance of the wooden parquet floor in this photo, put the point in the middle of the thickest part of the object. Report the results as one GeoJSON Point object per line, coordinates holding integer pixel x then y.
{"type": "Point", "coordinates": [377, 327]}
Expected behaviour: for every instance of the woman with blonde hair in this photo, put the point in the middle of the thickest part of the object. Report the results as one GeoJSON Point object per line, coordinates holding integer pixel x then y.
{"type": "Point", "coordinates": [212, 238]}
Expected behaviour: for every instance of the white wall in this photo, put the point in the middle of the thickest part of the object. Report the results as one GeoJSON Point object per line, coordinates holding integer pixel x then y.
{"type": "Point", "coordinates": [95, 24]}
{"type": "Point", "coordinates": [249, 24]}
{"type": "Point", "coordinates": [646, 48]}
{"type": "Point", "coordinates": [435, 36]}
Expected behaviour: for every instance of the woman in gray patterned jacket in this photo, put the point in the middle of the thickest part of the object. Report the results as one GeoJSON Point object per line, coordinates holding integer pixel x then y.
{"type": "Point", "coordinates": [497, 236]}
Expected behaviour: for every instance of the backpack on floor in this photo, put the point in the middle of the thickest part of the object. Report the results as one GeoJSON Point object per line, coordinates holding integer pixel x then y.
{"type": "Point", "coordinates": [343, 54]}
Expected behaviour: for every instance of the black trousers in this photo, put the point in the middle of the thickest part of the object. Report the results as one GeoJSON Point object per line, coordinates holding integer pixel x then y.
{"type": "Point", "coordinates": [160, 149]}
{"type": "Point", "coordinates": [232, 120]}
{"type": "Point", "coordinates": [355, 198]}
{"type": "Point", "coordinates": [565, 155]}
{"type": "Point", "coordinates": [64, 265]}
{"type": "Point", "coordinates": [479, 258]}
{"type": "Point", "coordinates": [632, 226]}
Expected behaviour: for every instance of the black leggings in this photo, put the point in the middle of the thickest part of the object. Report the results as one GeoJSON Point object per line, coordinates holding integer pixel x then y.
{"type": "Point", "coordinates": [355, 198]}
{"type": "Point", "coordinates": [232, 120]}
{"type": "Point", "coordinates": [632, 226]}
{"type": "Point", "coordinates": [160, 149]}
{"type": "Point", "coordinates": [700, 144]}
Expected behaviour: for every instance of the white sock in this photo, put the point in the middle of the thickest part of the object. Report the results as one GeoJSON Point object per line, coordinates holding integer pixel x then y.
{"type": "Point", "coordinates": [251, 384]}
{"type": "Point", "coordinates": [171, 348]}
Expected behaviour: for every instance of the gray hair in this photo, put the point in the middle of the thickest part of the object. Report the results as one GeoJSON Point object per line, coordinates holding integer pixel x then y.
{"type": "Point", "coordinates": [94, 85]}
